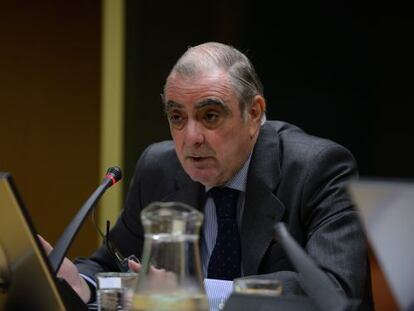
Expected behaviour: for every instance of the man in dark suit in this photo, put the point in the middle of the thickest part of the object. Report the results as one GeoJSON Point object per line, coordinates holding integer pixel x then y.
{"type": "Point", "coordinates": [216, 111]}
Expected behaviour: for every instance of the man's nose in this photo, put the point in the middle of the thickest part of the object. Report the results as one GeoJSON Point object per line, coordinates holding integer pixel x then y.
{"type": "Point", "coordinates": [194, 133]}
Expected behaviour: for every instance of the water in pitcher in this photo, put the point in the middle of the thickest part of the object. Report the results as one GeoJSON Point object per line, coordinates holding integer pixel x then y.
{"type": "Point", "coordinates": [170, 277]}
{"type": "Point", "coordinates": [170, 302]}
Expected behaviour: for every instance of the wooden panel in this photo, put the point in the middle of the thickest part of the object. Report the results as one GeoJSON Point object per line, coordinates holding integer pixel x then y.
{"type": "Point", "coordinates": [383, 298]}
{"type": "Point", "coordinates": [49, 109]}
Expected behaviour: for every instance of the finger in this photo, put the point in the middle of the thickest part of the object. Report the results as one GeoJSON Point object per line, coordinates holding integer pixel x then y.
{"type": "Point", "coordinates": [45, 244]}
{"type": "Point", "coordinates": [134, 266]}
{"type": "Point", "coordinates": [156, 270]}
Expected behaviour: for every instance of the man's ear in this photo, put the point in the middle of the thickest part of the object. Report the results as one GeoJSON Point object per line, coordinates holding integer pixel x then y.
{"type": "Point", "coordinates": [255, 113]}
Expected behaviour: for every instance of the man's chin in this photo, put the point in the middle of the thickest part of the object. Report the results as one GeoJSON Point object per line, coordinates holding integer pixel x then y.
{"type": "Point", "coordinates": [208, 180]}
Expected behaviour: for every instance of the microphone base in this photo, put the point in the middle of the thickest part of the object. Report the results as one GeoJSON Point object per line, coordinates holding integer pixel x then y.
{"type": "Point", "coordinates": [248, 302]}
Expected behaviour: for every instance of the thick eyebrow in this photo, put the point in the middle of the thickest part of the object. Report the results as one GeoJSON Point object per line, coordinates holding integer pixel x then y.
{"type": "Point", "coordinates": [201, 104]}
{"type": "Point", "coordinates": [172, 104]}
{"type": "Point", "coordinates": [212, 102]}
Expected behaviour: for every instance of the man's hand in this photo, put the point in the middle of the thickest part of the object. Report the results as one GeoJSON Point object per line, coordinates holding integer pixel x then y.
{"type": "Point", "coordinates": [69, 273]}
{"type": "Point", "coordinates": [134, 266]}
{"type": "Point", "coordinates": [159, 279]}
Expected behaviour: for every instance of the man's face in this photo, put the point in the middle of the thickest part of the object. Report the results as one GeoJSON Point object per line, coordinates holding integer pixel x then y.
{"type": "Point", "coordinates": [212, 140]}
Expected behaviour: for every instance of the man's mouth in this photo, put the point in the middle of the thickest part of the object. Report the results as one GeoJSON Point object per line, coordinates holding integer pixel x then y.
{"type": "Point", "coordinates": [198, 159]}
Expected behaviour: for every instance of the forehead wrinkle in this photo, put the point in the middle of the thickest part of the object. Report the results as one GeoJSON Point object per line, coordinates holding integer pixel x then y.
{"type": "Point", "coordinates": [211, 102]}
{"type": "Point", "coordinates": [216, 82]}
{"type": "Point", "coordinates": [202, 88]}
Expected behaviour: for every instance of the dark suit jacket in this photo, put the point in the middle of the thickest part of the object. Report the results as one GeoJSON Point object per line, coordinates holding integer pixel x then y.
{"type": "Point", "coordinates": [293, 177]}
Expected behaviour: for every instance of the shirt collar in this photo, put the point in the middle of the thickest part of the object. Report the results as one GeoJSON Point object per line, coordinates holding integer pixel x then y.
{"type": "Point", "coordinates": [239, 180]}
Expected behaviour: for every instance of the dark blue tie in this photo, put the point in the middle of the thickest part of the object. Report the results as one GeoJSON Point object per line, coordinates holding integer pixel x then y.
{"type": "Point", "coordinates": [225, 260]}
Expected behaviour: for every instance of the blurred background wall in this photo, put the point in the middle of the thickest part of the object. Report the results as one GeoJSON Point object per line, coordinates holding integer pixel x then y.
{"type": "Point", "coordinates": [50, 75]}
{"type": "Point", "coordinates": [337, 69]}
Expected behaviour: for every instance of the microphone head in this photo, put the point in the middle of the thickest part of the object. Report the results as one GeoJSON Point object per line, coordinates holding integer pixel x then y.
{"type": "Point", "coordinates": [114, 173]}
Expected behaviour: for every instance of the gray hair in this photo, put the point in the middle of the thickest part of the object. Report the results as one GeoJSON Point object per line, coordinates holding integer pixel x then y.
{"type": "Point", "coordinates": [207, 56]}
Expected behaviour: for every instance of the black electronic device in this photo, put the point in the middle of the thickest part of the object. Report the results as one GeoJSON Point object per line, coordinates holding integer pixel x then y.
{"type": "Point", "coordinates": [243, 302]}
{"type": "Point", "coordinates": [113, 175]}
{"type": "Point", "coordinates": [28, 279]}
{"type": "Point", "coordinates": [321, 292]}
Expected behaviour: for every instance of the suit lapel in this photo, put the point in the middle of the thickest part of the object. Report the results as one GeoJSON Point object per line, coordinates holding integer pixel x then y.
{"type": "Point", "coordinates": [262, 208]}
{"type": "Point", "coordinates": [187, 191]}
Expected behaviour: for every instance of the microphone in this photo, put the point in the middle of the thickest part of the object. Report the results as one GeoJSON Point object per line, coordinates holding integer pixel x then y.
{"type": "Point", "coordinates": [113, 175]}
{"type": "Point", "coordinates": [314, 281]}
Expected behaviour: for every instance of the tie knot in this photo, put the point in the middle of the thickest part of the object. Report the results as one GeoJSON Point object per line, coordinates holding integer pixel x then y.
{"type": "Point", "coordinates": [225, 200]}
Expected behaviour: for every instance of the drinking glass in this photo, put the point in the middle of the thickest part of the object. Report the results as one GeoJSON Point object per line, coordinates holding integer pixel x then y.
{"type": "Point", "coordinates": [115, 290]}
{"type": "Point", "coordinates": [257, 286]}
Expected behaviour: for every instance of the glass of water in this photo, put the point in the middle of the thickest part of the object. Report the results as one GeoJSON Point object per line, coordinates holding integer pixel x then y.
{"type": "Point", "coordinates": [115, 290]}
{"type": "Point", "coordinates": [257, 286]}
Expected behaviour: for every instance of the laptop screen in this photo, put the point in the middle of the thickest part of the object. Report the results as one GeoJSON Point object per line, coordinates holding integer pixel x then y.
{"type": "Point", "coordinates": [25, 275]}
{"type": "Point", "coordinates": [387, 211]}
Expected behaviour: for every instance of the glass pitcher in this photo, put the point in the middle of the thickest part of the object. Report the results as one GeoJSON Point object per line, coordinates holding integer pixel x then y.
{"type": "Point", "coordinates": [170, 277]}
